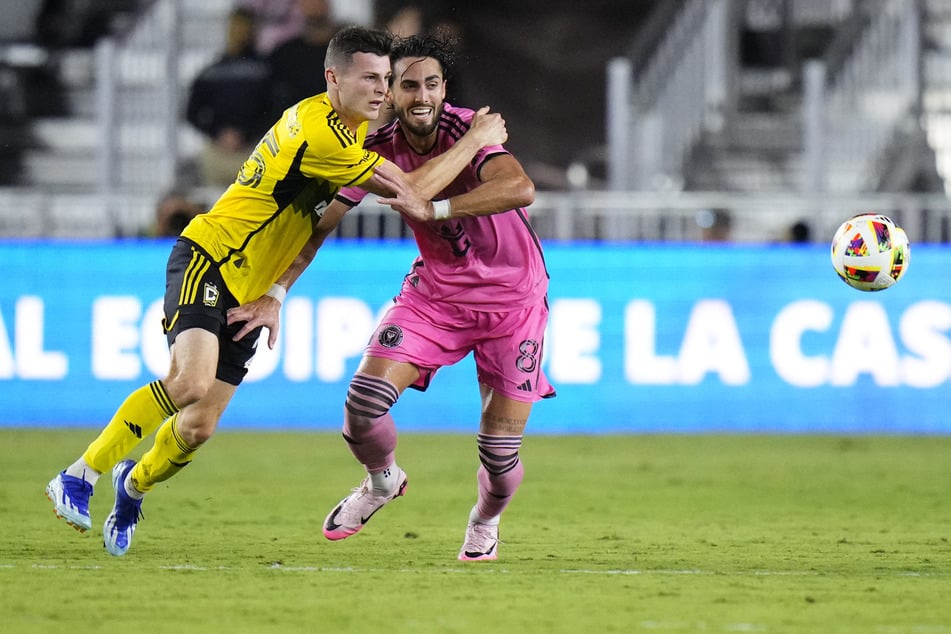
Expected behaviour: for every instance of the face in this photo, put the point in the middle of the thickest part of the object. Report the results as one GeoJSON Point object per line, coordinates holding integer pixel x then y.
{"type": "Point", "coordinates": [358, 91]}
{"type": "Point", "coordinates": [417, 94]}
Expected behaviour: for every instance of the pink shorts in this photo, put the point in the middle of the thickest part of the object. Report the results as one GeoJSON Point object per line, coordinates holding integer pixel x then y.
{"type": "Point", "coordinates": [507, 346]}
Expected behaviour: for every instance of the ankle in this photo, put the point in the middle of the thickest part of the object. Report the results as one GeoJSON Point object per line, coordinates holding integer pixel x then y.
{"type": "Point", "coordinates": [83, 471]}
{"type": "Point", "coordinates": [477, 518]}
{"type": "Point", "coordinates": [387, 481]}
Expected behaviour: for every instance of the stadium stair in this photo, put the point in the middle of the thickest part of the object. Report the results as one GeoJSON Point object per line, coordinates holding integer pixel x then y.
{"type": "Point", "coordinates": [760, 145]}
{"type": "Point", "coordinates": [936, 102]}
{"type": "Point", "coordinates": [59, 158]}
{"type": "Point", "coordinates": [761, 148]}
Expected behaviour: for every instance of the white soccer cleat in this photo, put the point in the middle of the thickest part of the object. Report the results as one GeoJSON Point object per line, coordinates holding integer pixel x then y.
{"type": "Point", "coordinates": [355, 510]}
{"type": "Point", "coordinates": [481, 544]}
{"type": "Point", "coordinates": [70, 497]}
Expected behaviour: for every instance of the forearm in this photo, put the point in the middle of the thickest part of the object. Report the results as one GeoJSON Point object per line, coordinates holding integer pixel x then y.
{"type": "Point", "coordinates": [494, 197]}
{"type": "Point", "coordinates": [436, 174]}
{"type": "Point", "coordinates": [299, 265]}
{"type": "Point", "coordinates": [321, 229]}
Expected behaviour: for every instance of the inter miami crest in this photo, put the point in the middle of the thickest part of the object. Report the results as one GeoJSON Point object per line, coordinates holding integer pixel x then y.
{"type": "Point", "coordinates": [390, 337]}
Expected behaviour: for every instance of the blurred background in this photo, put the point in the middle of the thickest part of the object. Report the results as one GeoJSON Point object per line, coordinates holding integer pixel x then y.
{"type": "Point", "coordinates": [748, 120]}
{"type": "Point", "coordinates": [692, 159]}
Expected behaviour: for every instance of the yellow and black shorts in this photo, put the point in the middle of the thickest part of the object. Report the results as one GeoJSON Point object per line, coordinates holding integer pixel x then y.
{"type": "Point", "coordinates": [196, 297]}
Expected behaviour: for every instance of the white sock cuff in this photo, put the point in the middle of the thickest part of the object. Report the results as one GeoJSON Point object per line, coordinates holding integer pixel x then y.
{"type": "Point", "coordinates": [386, 481]}
{"type": "Point", "coordinates": [478, 519]}
{"type": "Point", "coordinates": [80, 469]}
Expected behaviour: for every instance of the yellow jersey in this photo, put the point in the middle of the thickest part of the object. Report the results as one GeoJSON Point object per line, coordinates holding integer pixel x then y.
{"type": "Point", "coordinates": [258, 226]}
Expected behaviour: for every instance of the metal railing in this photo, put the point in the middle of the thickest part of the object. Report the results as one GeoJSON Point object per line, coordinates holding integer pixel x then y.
{"type": "Point", "coordinates": [582, 215]}
{"type": "Point", "coordinates": [655, 120]}
{"type": "Point", "coordinates": [854, 106]}
{"type": "Point", "coordinates": [852, 115]}
{"type": "Point", "coordinates": [137, 88]}
{"type": "Point", "coordinates": [611, 216]}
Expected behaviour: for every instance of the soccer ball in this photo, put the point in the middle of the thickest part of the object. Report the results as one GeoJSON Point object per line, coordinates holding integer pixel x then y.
{"type": "Point", "coordinates": [870, 252]}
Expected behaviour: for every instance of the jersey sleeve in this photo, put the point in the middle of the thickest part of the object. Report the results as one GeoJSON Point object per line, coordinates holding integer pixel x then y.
{"type": "Point", "coordinates": [343, 166]}
{"type": "Point", "coordinates": [482, 156]}
{"type": "Point", "coordinates": [351, 196]}
{"type": "Point", "coordinates": [486, 153]}
{"type": "Point", "coordinates": [334, 153]}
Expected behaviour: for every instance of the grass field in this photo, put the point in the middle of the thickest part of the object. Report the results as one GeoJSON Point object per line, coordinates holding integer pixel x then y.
{"type": "Point", "coordinates": [608, 534]}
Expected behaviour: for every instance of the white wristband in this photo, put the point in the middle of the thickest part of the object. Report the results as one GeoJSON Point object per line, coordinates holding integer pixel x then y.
{"type": "Point", "coordinates": [441, 209]}
{"type": "Point", "coordinates": [278, 292]}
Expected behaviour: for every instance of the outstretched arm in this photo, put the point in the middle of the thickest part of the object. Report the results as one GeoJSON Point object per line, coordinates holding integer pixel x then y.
{"type": "Point", "coordinates": [265, 311]}
{"type": "Point", "coordinates": [433, 176]}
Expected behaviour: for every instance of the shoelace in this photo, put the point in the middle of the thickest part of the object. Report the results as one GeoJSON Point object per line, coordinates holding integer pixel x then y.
{"type": "Point", "coordinates": [130, 513]}
{"type": "Point", "coordinates": [480, 538]}
{"type": "Point", "coordinates": [366, 489]}
{"type": "Point", "coordinates": [351, 514]}
{"type": "Point", "coordinates": [78, 492]}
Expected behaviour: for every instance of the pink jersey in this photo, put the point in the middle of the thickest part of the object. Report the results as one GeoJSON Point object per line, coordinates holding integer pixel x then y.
{"type": "Point", "coordinates": [491, 263]}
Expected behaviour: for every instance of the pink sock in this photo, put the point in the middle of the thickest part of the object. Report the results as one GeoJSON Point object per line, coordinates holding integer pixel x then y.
{"type": "Point", "coordinates": [499, 475]}
{"type": "Point", "coordinates": [368, 427]}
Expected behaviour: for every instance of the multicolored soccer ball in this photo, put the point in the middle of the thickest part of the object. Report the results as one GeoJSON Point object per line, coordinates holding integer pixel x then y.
{"type": "Point", "coordinates": [870, 252]}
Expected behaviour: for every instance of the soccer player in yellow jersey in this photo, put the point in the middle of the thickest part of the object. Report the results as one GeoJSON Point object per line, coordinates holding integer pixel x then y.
{"type": "Point", "coordinates": [236, 254]}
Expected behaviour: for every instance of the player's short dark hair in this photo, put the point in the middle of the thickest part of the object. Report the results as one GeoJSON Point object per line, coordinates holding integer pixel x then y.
{"type": "Point", "coordinates": [441, 48]}
{"type": "Point", "coordinates": [356, 39]}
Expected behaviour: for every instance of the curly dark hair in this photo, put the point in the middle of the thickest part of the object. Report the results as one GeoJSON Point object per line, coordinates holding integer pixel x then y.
{"type": "Point", "coordinates": [440, 47]}
{"type": "Point", "coordinates": [356, 39]}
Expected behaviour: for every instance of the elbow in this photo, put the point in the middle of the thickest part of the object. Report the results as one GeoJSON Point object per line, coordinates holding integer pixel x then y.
{"type": "Point", "coordinates": [525, 192]}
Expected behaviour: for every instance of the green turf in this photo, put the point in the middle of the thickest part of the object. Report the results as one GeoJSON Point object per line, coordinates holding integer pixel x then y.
{"type": "Point", "coordinates": [796, 534]}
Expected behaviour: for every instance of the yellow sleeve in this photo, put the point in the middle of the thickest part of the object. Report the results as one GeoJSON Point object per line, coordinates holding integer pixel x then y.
{"type": "Point", "coordinates": [335, 153]}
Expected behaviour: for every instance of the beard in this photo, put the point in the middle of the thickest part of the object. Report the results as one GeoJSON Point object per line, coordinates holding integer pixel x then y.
{"type": "Point", "coordinates": [416, 128]}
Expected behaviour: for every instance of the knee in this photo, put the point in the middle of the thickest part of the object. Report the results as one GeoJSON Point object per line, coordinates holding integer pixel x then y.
{"type": "Point", "coordinates": [197, 436]}
{"type": "Point", "coordinates": [499, 454]}
{"type": "Point", "coordinates": [185, 390]}
{"type": "Point", "coordinates": [368, 399]}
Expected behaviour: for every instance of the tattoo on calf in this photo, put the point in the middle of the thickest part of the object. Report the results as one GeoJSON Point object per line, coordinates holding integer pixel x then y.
{"type": "Point", "coordinates": [503, 424]}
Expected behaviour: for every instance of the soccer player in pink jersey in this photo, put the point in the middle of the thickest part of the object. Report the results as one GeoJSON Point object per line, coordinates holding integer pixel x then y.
{"type": "Point", "coordinates": [479, 285]}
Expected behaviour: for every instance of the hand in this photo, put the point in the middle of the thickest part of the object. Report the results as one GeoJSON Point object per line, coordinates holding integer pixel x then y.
{"type": "Point", "coordinates": [488, 128]}
{"type": "Point", "coordinates": [404, 199]}
{"type": "Point", "coordinates": [264, 311]}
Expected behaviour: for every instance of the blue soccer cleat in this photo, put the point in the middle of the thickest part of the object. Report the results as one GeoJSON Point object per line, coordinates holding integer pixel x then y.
{"type": "Point", "coordinates": [120, 525]}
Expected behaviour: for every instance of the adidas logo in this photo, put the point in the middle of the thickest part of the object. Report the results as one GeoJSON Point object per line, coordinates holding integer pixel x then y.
{"type": "Point", "coordinates": [525, 387]}
{"type": "Point", "coordinates": [135, 429]}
